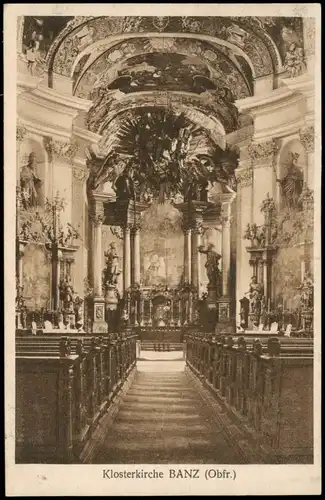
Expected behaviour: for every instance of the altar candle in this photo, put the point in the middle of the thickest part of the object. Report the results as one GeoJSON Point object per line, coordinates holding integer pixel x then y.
{"type": "Point", "coordinates": [269, 305]}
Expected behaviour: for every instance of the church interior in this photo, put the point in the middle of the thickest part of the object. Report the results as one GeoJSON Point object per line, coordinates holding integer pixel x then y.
{"type": "Point", "coordinates": [164, 239]}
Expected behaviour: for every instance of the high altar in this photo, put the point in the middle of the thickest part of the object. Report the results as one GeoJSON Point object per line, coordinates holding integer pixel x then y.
{"type": "Point", "coordinates": [172, 200]}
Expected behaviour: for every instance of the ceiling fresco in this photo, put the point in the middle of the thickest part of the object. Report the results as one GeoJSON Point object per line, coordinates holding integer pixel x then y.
{"type": "Point", "coordinates": [260, 48]}
{"type": "Point", "coordinates": [196, 58]}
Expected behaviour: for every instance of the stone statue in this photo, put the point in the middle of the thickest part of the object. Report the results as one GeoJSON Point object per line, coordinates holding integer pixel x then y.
{"type": "Point", "coordinates": [124, 185]}
{"type": "Point", "coordinates": [212, 264]}
{"type": "Point", "coordinates": [292, 183]}
{"type": "Point", "coordinates": [112, 270]}
{"type": "Point", "coordinates": [307, 292]}
{"type": "Point", "coordinates": [30, 183]}
{"type": "Point", "coordinates": [67, 294]}
{"type": "Point", "coordinates": [256, 293]}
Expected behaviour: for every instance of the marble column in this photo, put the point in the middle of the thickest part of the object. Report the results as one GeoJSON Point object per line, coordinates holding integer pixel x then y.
{"type": "Point", "coordinates": [244, 175]}
{"type": "Point", "coordinates": [226, 220]}
{"type": "Point", "coordinates": [187, 254]}
{"type": "Point", "coordinates": [126, 257]}
{"type": "Point", "coordinates": [97, 217]}
{"type": "Point", "coordinates": [196, 256]}
{"type": "Point", "coordinates": [136, 255]}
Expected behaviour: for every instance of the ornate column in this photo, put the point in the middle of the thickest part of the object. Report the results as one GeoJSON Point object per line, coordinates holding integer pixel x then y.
{"type": "Point", "coordinates": [244, 175]}
{"type": "Point", "coordinates": [187, 253]}
{"type": "Point", "coordinates": [126, 257]}
{"type": "Point", "coordinates": [136, 255]}
{"type": "Point", "coordinates": [307, 139]}
{"type": "Point", "coordinates": [226, 221]}
{"type": "Point", "coordinates": [61, 157]}
{"type": "Point", "coordinates": [97, 218]}
{"type": "Point", "coordinates": [225, 301]}
{"type": "Point", "coordinates": [196, 256]}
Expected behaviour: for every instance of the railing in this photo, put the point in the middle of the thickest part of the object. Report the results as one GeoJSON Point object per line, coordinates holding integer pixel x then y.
{"type": "Point", "coordinates": [77, 379]}
{"type": "Point", "coordinates": [266, 382]}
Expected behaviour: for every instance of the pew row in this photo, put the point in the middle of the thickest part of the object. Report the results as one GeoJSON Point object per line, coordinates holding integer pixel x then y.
{"type": "Point", "coordinates": [268, 386]}
{"type": "Point", "coordinates": [63, 388]}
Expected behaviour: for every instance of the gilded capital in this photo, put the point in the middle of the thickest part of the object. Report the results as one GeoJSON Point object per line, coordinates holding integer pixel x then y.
{"type": "Point", "coordinates": [260, 151]}
{"type": "Point", "coordinates": [61, 151]}
{"type": "Point", "coordinates": [307, 138]}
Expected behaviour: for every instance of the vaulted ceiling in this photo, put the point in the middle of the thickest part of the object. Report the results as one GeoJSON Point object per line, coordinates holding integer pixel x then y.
{"type": "Point", "coordinates": [197, 65]}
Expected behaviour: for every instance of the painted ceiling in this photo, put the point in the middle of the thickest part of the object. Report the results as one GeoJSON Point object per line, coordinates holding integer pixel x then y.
{"type": "Point", "coordinates": [199, 65]}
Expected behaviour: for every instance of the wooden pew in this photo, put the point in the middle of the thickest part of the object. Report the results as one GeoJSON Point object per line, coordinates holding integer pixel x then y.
{"type": "Point", "coordinates": [257, 378]}
{"type": "Point", "coordinates": [92, 371]}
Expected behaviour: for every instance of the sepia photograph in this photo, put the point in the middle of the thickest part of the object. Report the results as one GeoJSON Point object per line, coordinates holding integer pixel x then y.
{"type": "Point", "coordinates": [164, 218]}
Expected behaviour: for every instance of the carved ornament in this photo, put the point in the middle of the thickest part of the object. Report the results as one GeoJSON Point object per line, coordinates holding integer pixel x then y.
{"type": "Point", "coordinates": [262, 150]}
{"type": "Point", "coordinates": [62, 151]}
{"type": "Point", "coordinates": [80, 174]}
{"type": "Point", "coordinates": [244, 177]}
{"type": "Point", "coordinates": [97, 214]}
{"type": "Point", "coordinates": [21, 133]}
{"type": "Point", "coordinates": [307, 138]}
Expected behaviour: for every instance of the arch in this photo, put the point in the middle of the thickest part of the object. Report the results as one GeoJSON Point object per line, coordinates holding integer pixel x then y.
{"type": "Point", "coordinates": [211, 124]}
{"type": "Point", "coordinates": [258, 41]}
{"type": "Point", "coordinates": [211, 54]}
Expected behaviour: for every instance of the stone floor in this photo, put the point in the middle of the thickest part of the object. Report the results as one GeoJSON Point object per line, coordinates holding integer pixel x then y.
{"type": "Point", "coordinates": [163, 419]}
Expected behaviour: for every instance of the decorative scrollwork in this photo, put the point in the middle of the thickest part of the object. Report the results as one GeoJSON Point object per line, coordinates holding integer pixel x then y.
{"type": "Point", "coordinates": [21, 133]}
{"type": "Point", "coordinates": [307, 138]}
{"type": "Point", "coordinates": [262, 150]}
{"type": "Point", "coordinates": [63, 151]}
{"type": "Point", "coordinates": [80, 174]}
{"type": "Point", "coordinates": [97, 215]}
{"type": "Point", "coordinates": [244, 177]}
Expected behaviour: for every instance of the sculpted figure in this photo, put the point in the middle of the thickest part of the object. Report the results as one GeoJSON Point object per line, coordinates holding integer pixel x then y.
{"type": "Point", "coordinates": [212, 264]}
{"type": "Point", "coordinates": [67, 294]}
{"type": "Point", "coordinates": [112, 270]}
{"type": "Point", "coordinates": [255, 295]}
{"type": "Point", "coordinates": [30, 183]}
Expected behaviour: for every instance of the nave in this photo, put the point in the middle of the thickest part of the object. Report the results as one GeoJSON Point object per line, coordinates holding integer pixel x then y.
{"type": "Point", "coordinates": [220, 400]}
{"type": "Point", "coordinates": [165, 418]}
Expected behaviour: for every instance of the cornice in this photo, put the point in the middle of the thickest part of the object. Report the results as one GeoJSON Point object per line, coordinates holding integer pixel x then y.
{"type": "Point", "coordinates": [279, 132]}
{"type": "Point", "coordinates": [63, 99]}
{"type": "Point", "coordinates": [304, 84]}
{"type": "Point", "coordinates": [45, 131]}
{"type": "Point", "coordinates": [277, 100]}
{"type": "Point", "coordinates": [26, 83]}
{"type": "Point", "coordinates": [85, 134]}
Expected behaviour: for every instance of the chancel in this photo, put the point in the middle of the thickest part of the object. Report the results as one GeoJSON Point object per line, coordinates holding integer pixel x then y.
{"type": "Point", "coordinates": [164, 239]}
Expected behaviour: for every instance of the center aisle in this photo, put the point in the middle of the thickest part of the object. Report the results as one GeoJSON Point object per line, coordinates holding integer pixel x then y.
{"type": "Point", "coordinates": [163, 419]}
